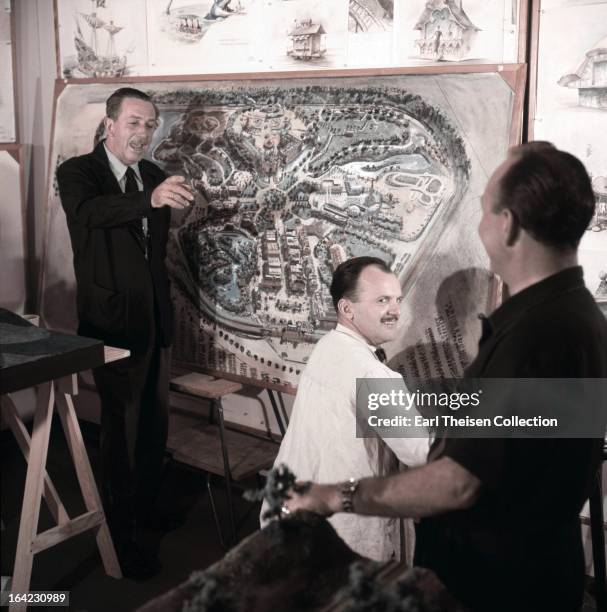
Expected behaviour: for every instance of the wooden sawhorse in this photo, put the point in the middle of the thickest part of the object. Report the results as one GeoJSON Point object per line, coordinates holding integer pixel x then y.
{"type": "Point", "coordinates": [38, 483]}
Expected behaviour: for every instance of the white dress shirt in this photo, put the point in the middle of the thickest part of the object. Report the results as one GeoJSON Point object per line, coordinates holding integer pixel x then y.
{"type": "Point", "coordinates": [321, 444]}
{"type": "Point", "coordinates": [119, 171]}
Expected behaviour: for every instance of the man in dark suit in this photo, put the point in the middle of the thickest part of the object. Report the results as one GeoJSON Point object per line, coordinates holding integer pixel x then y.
{"type": "Point", "coordinates": [118, 213]}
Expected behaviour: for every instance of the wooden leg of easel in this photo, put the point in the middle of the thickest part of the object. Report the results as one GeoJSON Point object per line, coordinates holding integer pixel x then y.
{"type": "Point", "coordinates": [23, 440]}
{"type": "Point", "coordinates": [86, 479]}
{"type": "Point", "coordinates": [32, 495]}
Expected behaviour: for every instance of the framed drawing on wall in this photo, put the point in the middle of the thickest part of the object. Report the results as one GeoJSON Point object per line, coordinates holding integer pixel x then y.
{"type": "Point", "coordinates": [474, 31]}
{"type": "Point", "coordinates": [294, 174]}
{"type": "Point", "coordinates": [568, 106]}
{"type": "Point", "coordinates": [101, 38]}
{"type": "Point", "coordinates": [8, 123]}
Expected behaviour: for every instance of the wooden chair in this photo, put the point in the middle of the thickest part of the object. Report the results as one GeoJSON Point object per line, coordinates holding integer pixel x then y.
{"type": "Point", "coordinates": [216, 450]}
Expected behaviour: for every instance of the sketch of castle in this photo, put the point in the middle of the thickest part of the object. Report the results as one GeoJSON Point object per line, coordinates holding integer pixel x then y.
{"type": "Point", "coordinates": [92, 61]}
{"type": "Point", "coordinates": [307, 40]}
{"type": "Point", "coordinates": [446, 31]}
{"type": "Point", "coordinates": [370, 15]}
{"type": "Point", "coordinates": [590, 79]}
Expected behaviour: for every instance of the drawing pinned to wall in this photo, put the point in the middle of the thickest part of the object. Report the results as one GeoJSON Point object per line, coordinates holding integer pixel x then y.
{"type": "Point", "coordinates": [102, 38]}
{"type": "Point", "coordinates": [590, 79]}
{"type": "Point", "coordinates": [370, 24]}
{"type": "Point", "coordinates": [599, 221]}
{"type": "Point", "coordinates": [205, 36]}
{"type": "Point", "coordinates": [445, 31]}
{"type": "Point", "coordinates": [7, 85]}
{"type": "Point", "coordinates": [570, 105]}
{"type": "Point", "coordinates": [307, 40]}
{"type": "Point", "coordinates": [304, 34]}
{"type": "Point", "coordinates": [292, 177]}
{"type": "Point", "coordinates": [438, 31]}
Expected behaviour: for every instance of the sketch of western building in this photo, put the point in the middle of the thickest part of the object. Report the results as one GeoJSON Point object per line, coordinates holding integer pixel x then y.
{"type": "Point", "coordinates": [590, 79]}
{"type": "Point", "coordinates": [446, 31]}
{"type": "Point", "coordinates": [307, 40]}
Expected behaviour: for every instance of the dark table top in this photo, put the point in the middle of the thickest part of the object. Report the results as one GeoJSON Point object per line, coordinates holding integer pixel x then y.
{"type": "Point", "coordinates": [30, 355]}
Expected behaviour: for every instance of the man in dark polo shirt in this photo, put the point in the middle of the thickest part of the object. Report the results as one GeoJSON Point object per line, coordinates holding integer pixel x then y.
{"type": "Point", "coordinates": [500, 517]}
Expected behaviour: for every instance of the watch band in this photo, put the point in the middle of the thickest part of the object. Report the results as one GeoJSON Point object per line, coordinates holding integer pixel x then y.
{"type": "Point", "coordinates": [348, 489]}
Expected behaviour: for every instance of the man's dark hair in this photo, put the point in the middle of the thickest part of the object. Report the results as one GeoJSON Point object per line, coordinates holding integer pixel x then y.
{"type": "Point", "coordinates": [345, 277]}
{"type": "Point", "coordinates": [549, 193]}
{"type": "Point", "coordinates": [113, 103]}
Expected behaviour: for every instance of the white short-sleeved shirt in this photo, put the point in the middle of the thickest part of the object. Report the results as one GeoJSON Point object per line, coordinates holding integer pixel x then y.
{"type": "Point", "coordinates": [321, 444]}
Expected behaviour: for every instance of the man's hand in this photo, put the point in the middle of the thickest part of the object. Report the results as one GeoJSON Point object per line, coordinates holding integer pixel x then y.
{"type": "Point", "coordinates": [172, 192]}
{"type": "Point", "coordinates": [322, 499]}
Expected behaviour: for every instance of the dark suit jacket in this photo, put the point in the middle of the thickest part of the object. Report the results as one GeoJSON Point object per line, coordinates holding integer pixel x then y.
{"type": "Point", "coordinates": [122, 298]}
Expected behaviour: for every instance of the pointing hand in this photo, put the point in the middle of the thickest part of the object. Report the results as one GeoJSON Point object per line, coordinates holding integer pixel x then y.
{"type": "Point", "coordinates": [173, 192]}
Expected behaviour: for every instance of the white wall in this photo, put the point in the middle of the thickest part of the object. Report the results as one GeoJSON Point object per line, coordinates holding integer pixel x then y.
{"type": "Point", "coordinates": [34, 38]}
{"type": "Point", "coordinates": [35, 74]}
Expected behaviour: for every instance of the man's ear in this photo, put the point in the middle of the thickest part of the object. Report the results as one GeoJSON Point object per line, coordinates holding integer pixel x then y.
{"type": "Point", "coordinates": [511, 227]}
{"type": "Point", "coordinates": [109, 126]}
{"type": "Point", "coordinates": [345, 308]}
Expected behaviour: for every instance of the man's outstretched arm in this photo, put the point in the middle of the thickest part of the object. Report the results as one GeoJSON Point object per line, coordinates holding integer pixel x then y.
{"type": "Point", "coordinates": [439, 486]}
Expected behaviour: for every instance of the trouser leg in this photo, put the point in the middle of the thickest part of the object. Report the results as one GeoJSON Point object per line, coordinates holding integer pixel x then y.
{"type": "Point", "coordinates": [119, 386]}
{"type": "Point", "coordinates": [152, 430]}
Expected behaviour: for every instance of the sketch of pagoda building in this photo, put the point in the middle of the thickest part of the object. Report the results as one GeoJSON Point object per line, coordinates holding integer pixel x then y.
{"type": "Point", "coordinates": [446, 31]}
{"type": "Point", "coordinates": [307, 40]}
{"type": "Point", "coordinates": [91, 61]}
{"type": "Point", "coordinates": [599, 187]}
{"type": "Point", "coordinates": [590, 79]}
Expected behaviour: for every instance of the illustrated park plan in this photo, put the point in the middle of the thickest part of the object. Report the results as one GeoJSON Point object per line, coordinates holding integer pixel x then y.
{"type": "Point", "coordinates": [293, 177]}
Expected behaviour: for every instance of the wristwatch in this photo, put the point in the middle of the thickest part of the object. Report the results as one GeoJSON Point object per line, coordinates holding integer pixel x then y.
{"type": "Point", "coordinates": [348, 489]}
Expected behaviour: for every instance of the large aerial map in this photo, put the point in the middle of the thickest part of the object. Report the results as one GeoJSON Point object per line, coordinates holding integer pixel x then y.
{"type": "Point", "coordinates": [292, 177]}
{"type": "Point", "coordinates": [293, 182]}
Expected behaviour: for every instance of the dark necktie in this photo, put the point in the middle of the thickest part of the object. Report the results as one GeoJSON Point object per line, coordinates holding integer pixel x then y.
{"type": "Point", "coordinates": [131, 181]}
{"type": "Point", "coordinates": [131, 186]}
{"type": "Point", "coordinates": [381, 354]}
